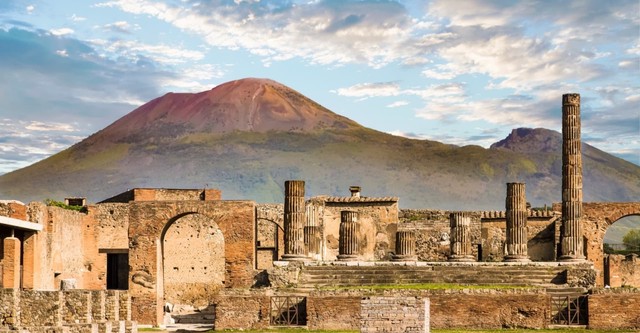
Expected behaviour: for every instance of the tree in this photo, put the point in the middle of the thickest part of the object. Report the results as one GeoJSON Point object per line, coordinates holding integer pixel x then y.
{"type": "Point", "coordinates": [632, 240]}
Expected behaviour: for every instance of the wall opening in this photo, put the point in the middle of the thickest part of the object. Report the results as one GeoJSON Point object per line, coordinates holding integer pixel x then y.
{"type": "Point", "coordinates": [118, 271]}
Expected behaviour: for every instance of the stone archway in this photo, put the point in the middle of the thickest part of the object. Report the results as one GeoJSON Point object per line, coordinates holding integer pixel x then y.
{"type": "Point", "coordinates": [148, 221]}
{"type": "Point", "coordinates": [596, 218]}
{"type": "Point", "coordinates": [193, 262]}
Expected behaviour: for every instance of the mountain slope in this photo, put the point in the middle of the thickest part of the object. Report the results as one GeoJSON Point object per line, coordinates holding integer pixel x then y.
{"type": "Point", "coordinates": [247, 137]}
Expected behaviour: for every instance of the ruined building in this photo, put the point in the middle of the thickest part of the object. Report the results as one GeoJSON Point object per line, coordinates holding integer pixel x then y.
{"type": "Point", "coordinates": [141, 256]}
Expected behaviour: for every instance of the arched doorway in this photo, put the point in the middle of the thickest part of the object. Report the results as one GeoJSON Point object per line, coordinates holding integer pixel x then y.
{"type": "Point", "coordinates": [621, 249]}
{"type": "Point", "coordinates": [193, 266]}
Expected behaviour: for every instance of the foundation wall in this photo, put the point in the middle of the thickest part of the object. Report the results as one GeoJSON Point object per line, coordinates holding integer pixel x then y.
{"type": "Point", "coordinates": [614, 309]}
{"type": "Point", "coordinates": [394, 314]}
{"type": "Point", "coordinates": [73, 311]}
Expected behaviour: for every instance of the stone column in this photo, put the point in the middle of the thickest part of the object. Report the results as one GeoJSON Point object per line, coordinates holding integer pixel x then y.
{"type": "Point", "coordinates": [516, 214]}
{"type": "Point", "coordinates": [11, 263]}
{"type": "Point", "coordinates": [571, 229]}
{"type": "Point", "coordinates": [294, 220]}
{"type": "Point", "coordinates": [348, 242]}
{"type": "Point", "coordinates": [460, 240]}
{"type": "Point", "coordinates": [405, 246]}
{"type": "Point", "coordinates": [31, 260]}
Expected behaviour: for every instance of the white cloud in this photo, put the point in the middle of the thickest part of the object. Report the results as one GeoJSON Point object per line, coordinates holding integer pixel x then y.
{"type": "Point", "coordinates": [366, 90]}
{"type": "Point", "coordinates": [30, 9]}
{"type": "Point", "coordinates": [76, 18]}
{"type": "Point", "coordinates": [397, 104]}
{"type": "Point", "coordinates": [62, 53]}
{"type": "Point", "coordinates": [163, 54]}
{"type": "Point", "coordinates": [61, 31]}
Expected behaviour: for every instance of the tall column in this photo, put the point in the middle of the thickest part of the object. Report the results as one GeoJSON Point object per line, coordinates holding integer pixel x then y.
{"type": "Point", "coordinates": [516, 214]}
{"type": "Point", "coordinates": [31, 260]}
{"type": "Point", "coordinates": [294, 220]}
{"type": "Point", "coordinates": [348, 241]}
{"type": "Point", "coordinates": [571, 229]}
{"type": "Point", "coordinates": [405, 246]}
{"type": "Point", "coordinates": [460, 240]}
{"type": "Point", "coordinates": [11, 263]}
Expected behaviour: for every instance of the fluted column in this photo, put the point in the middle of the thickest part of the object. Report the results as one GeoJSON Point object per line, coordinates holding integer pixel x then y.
{"type": "Point", "coordinates": [516, 214]}
{"type": "Point", "coordinates": [571, 230]}
{"type": "Point", "coordinates": [294, 220]}
{"type": "Point", "coordinates": [405, 246]}
{"type": "Point", "coordinates": [460, 239]}
{"type": "Point", "coordinates": [349, 229]}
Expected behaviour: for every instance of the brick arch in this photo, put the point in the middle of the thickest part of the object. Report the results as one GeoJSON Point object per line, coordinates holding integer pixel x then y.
{"type": "Point", "coordinates": [149, 220]}
{"type": "Point", "coordinates": [597, 217]}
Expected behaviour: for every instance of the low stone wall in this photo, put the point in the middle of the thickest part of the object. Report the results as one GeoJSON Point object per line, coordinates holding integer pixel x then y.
{"type": "Point", "coordinates": [72, 310]}
{"type": "Point", "coordinates": [242, 310]}
{"type": "Point", "coordinates": [333, 312]}
{"type": "Point", "coordinates": [394, 314]}
{"type": "Point", "coordinates": [614, 309]}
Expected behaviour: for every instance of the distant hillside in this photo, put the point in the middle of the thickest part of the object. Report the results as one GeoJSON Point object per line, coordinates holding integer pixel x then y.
{"type": "Point", "coordinates": [247, 137]}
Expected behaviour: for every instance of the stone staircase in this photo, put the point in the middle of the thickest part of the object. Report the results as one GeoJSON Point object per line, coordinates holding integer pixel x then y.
{"type": "Point", "coordinates": [349, 275]}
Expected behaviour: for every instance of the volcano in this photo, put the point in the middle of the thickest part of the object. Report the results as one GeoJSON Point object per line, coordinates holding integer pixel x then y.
{"type": "Point", "coordinates": [246, 137]}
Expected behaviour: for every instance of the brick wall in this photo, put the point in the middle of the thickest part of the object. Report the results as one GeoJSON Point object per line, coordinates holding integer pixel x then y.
{"type": "Point", "coordinates": [614, 309]}
{"type": "Point", "coordinates": [242, 311]}
{"type": "Point", "coordinates": [394, 314]}
{"type": "Point", "coordinates": [333, 312]}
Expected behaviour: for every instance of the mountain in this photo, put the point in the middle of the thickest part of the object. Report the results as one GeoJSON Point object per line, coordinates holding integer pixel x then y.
{"type": "Point", "coordinates": [247, 137]}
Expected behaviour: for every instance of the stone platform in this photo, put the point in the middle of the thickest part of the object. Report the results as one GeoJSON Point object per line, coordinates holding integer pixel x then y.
{"type": "Point", "coordinates": [309, 275]}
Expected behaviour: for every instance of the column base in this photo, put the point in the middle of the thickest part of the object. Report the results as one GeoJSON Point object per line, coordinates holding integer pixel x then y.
{"type": "Point", "coordinates": [516, 258]}
{"type": "Point", "coordinates": [460, 258]}
{"type": "Point", "coordinates": [570, 258]}
{"type": "Point", "coordinates": [295, 257]}
{"type": "Point", "coordinates": [404, 257]}
{"type": "Point", "coordinates": [348, 257]}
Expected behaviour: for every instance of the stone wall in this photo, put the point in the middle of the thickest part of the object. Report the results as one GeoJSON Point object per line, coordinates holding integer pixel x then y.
{"type": "Point", "coordinates": [378, 224]}
{"type": "Point", "coordinates": [241, 311]}
{"type": "Point", "coordinates": [73, 310]}
{"type": "Point", "coordinates": [622, 270]}
{"type": "Point", "coordinates": [333, 312]}
{"type": "Point", "coordinates": [614, 309]}
{"type": "Point", "coordinates": [394, 314]}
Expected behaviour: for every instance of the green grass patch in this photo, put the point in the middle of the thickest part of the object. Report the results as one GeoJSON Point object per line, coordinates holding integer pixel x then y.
{"type": "Point", "coordinates": [558, 330]}
{"type": "Point", "coordinates": [429, 286]}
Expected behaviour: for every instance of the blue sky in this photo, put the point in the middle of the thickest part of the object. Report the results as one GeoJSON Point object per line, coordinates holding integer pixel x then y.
{"type": "Point", "coordinates": [459, 72]}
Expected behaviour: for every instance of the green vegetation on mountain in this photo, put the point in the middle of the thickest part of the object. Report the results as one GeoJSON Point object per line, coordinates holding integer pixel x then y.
{"type": "Point", "coordinates": [248, 147]}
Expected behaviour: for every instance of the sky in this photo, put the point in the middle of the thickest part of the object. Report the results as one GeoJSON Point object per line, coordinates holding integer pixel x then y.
{"type": "Point", "coordinates": [458, 72]}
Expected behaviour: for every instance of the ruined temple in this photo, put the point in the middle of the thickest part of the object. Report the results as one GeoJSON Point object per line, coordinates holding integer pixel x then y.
{"type": "Point", "coordinates": [158, 256]}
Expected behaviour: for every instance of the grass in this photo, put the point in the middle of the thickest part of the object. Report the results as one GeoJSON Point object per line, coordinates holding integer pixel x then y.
{"type": "Point", "coordinates": [430, 286]}
{"type": "Point", "coordinates": [301, 330]}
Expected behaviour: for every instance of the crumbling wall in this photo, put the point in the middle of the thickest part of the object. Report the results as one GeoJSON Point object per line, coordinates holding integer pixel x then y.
{"type": "Point", "coordinates": [394, 314]}
{"type": "Point", "coordinates": [433, 230]}
{"type": "Point", "coordinates": [242, 311]}
{"type": "Point", "coordinates": [378, 224]}
{"type": "Point", "coordinates": [333, 312]}
{"type": "Point", "coordinates": [269, 234]}
{"type": "Point", "coordinates": [66, 248]}
{"type": "Point", "coordinates": [623, 270]}
{"type": "Point", "coordinates": [614, 309]}
{"type": "Point", "coordinates": [72, 310]}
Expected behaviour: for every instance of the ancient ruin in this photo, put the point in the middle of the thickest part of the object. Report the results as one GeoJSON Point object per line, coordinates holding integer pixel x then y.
{"type": "Point", "coordinates": [163, 256]}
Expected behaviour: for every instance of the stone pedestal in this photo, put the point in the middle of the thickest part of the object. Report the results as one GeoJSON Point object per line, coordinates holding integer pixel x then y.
{"type": "Point", "coordinates": [11, 263]}
{"type": "Point", "coordinates": [571, 242]}
{"type": "Point", "coordinates": [460, 224]}
{"type": "Point", "coordinates": [516, 214]}
{"type": "Point", "coordinates": [294, 220]}
{"type": "Point", "coordinates": [349, 229]}
{"type": "Point", "coordinates": [405, 246]}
